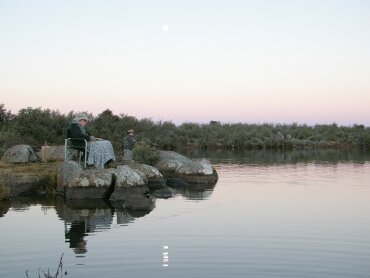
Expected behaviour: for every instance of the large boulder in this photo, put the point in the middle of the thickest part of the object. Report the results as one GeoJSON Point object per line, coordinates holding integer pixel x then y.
{"type": "Point", "coordinates": [91, 184]}
{"type": "Point", "coordinates": [19, 154]}
{"type": "Point", "coordinates": [124, 186]}
{"type": "Point", "coordinates": [128, 181]}
{"type": "Point", "coordinates": [51, 153]}
{"type": "Point", "coordinates": [198, 171]}
{"type": "Point", "coordinates": [67, 172]}
{"type": "Point", "coordinates": [17, 184]}
{"type": "Point", "coordinates": [154, 177]}
{"type": "Point", "coordinates": [169, 162]}
{"type": "Point", "coordinates": [174, 165]}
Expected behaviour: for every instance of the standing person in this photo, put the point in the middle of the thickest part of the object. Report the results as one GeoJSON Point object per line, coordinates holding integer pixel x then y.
{"type": "Point", "coordinates": [128, 144]}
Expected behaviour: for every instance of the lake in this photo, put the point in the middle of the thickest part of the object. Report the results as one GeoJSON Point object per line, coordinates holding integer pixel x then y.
{"type": "Point", "coordinates": [271, 214]}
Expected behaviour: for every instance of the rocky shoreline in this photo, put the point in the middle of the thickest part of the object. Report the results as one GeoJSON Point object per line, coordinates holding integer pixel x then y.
{"type": "Point", "coordinates": [129, 184]}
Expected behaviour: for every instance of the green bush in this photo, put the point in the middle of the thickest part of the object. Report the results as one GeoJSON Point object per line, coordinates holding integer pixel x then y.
{"type": "Point", "coordinates": [143, 153]}
{"type": "Point", "coordinates": [34, 126]}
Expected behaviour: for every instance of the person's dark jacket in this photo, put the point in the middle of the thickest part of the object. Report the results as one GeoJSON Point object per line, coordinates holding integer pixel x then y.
{"type": "Point", "coordinates": [75, 133]}
{"type": "Point", "coordinates": [129, 142]}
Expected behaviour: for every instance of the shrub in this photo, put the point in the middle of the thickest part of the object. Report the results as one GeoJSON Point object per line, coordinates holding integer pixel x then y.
{"type": "Point", "coordinates": [144, 153]}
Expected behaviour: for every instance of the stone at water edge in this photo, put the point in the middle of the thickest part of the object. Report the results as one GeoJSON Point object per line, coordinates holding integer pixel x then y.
{"type": "Point", "coordinates": [19, 154]}
{"type": "Point", "coordinates": [67, 172]}
{"type": "Point", "coordinates": [91, 184]}
{"type": "Point", "coordinates": [128, 181]}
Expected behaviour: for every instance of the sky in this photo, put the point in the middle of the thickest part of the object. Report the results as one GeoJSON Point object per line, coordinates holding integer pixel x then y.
{"type": "Point", "coordinates": [305, 62]}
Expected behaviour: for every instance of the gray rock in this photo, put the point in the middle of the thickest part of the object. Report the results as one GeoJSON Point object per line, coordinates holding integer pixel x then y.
{"type": "Point", "coordinates": [174, 165]}
{"type": "Point", "coordinates": [128, 177]}
{"type": "Point", "coordinates": [128, 182]}
{"type": "Point", "coordinates": [170, 162]}
{"type": "Point", "coordinates": [198, 171]}
{"type": "Point", "coordinates": [154, 177]}
{"type": "Point", "coordinates": [51, 153]}
{"type": "Point", "coordinates": [197, 167]}
{"type": "Point", "coordinates": [142, 175]}
{"type": "Point", "coordinates": [91, 184]}
{"type": "Point", "coordinates": [19, 154]}
{"type": "Point", "coordinates": [171, 155]}
{"type": "Point", "coordinates": [67, 172]}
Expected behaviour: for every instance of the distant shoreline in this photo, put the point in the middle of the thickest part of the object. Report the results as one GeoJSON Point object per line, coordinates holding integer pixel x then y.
{"type": "Point", "coordinates": [36, 127]}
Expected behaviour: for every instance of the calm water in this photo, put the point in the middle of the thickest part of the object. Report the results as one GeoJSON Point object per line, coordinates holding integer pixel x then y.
{"type": "Point", "coordinates": [301, 214]}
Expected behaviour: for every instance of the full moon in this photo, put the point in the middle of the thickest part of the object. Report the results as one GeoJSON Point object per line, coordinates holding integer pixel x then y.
{"type": "Point", "coordinates": [165, 28]}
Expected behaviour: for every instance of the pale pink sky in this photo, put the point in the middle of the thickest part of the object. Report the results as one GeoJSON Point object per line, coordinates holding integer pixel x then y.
{"type": "Point", "coordinates": [283, 62]}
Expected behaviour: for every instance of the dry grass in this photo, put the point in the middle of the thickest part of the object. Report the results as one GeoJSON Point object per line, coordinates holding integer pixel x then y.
{"type": "Point", "coordinates": [42, 168]}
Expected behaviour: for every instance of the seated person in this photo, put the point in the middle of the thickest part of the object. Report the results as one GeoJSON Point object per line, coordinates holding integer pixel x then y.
{"type": "Point", "coordinates": [100, 152]}
{"type": "Point", "coordinates": [77, 131]}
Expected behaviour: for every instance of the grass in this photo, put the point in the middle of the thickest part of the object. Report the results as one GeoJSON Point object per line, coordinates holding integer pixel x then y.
{"type": "Point", "coordinates": [41, 169]}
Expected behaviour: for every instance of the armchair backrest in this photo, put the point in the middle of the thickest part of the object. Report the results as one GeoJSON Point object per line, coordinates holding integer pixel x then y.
{"type": "Point", "coordinates": [68, 133]}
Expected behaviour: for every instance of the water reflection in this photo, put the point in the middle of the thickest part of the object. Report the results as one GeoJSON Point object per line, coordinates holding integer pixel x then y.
{"type": "Point", "coordinates": [195, 191]}
{"type": "Point", "coordinates": [85, 217]}
{"type": "Point", "coordinates": [23, 203]}
{"type": "Point", "coordinates": [81, 218]}
{"type": "Point", "coordinates": [286, 220]}
{"type": "Point", "coordinates": [282, 156]}
{"type": "Point", "coordinates": [75, 236]}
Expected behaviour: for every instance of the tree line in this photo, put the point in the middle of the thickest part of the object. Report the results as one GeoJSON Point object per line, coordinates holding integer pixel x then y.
{"type": "Point", "coordinates": [35, 126]}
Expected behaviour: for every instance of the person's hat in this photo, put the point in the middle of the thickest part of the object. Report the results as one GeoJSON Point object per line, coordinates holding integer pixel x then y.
{"type": "Point", "coordinates": [81, 116]}
{"type": "Point", "coordinates": [130, 131]}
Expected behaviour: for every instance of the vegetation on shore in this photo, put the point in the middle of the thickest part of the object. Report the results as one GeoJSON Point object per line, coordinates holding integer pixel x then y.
{"type": "Point", "coordinates": [35, 126]}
